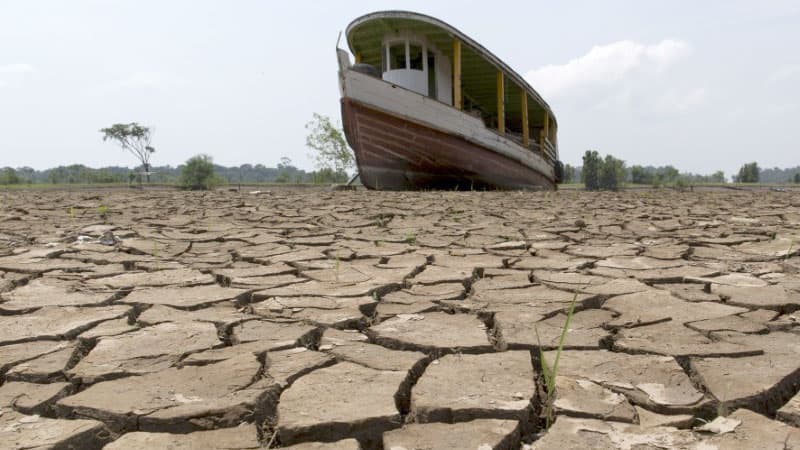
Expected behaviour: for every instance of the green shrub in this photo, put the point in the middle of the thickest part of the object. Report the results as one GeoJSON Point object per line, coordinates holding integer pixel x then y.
{"type": "Point", "coordinates": [9, 176]}
{"type": "Point", "coordinates": [612, 173]}
{"type": "Point", "coordinates": [590, 172]}
{"type": "Point", "coordinates": [328, 175]}
{"type": "Point", "coordinates": [198, 174]}
{"type": "Point", "coordinates": [748, 173]}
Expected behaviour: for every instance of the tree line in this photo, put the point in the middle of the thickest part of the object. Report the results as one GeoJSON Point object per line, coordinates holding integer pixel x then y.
{"type": "Point", "coordinates": [332, 157]}
{"type": "Point", "coordinates": [285, 172]}
{"type": "Point", "coordinates": [610, 173]}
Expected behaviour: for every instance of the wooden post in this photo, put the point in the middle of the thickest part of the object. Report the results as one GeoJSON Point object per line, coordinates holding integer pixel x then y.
{"type": "Point", "coordinates": [525, 130]}
{"type": "Point", "coordinates": [546, 124]}
{"type": "Point", "coordinates": [501, 110]}
{"type": "Point", "coordinates": [543, 133]}
{"type": "Point", "coordinates": [358, 57]}
{"type": "Point", "coordinates": [457, 102]}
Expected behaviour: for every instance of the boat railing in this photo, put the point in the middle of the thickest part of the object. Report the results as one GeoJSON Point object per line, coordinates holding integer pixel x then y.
{"type": "Point", "coordinates": [544, 148]}
{"type": "Point", "coordinates": [550, 150]}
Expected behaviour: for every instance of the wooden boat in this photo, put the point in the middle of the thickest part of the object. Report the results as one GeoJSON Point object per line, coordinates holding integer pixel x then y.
{"type": "Point", "coordinates": [426, 107]}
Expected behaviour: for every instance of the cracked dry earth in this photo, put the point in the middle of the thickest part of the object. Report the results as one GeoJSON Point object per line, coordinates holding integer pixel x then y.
{"type": "Point", "coordinates": [310, 319]}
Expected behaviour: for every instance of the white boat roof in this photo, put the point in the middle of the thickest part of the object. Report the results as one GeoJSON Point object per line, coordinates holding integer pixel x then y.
{"type": "Point", "coordinates": [479, 65]}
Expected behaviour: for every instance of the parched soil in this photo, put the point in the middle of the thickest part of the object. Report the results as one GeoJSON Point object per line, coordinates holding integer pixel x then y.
{"type": "Point", "coordinates": [343, 320]}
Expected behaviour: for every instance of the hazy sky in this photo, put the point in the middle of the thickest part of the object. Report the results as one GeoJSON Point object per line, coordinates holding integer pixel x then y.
{"type": "Point", "coordinates": [702, 85]}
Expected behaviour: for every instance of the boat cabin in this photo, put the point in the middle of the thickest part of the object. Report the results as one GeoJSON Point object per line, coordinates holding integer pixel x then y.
{"type": "Point", "coordinates": [424, 55]}
{"type": "Point", "coordinates": [409, 61]}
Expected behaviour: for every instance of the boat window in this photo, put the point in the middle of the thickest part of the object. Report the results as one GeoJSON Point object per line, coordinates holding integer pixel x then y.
{"type": "Point", "coordinates": [431, 76]}
{"type": "Point", "coordinates": [384, 64]}
{"type": "Point", "coordinates": [397, 56]}
{"type": "Point", "coordinates": [415, 56]}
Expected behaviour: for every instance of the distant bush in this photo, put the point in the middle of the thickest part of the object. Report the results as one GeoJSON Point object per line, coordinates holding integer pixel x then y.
{"type": "Point", "coordinates": [9, 176]}
{"type": "Point", "coordinates": [640, 175]}
{"type": "Point", "coordinates": [797, 178]}
{"type": "Point", "coordinates": [606, 174]}
{"type": "Point", "coordinates": [198, 174]}
{"type": "Point", "coordinates": [591, 168]}
{"type": "Point", "coordinates": [569, 174]}
{"type": "Point", "coordinates": [612, 173]}
{"type": "Point", "coordinates": [328, 175]}
{"type": "Point", "coordinates": [748, 173]}
{"type": "Point", "coordinates": [718, 177]}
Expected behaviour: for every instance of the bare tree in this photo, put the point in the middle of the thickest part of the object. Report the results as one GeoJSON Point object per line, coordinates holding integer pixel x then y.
{"type": "Point", "coordinates": [132, 137]}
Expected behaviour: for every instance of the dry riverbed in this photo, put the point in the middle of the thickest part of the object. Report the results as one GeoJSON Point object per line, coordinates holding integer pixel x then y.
{"type": "Point", "coordinates": [311, 319]}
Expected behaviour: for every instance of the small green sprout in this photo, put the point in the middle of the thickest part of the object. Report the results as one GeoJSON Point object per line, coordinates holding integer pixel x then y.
{"type": "Point", "coordinates": [550, 373]}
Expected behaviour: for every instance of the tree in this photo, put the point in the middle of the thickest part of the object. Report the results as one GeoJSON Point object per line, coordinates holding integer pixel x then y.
{"type": "Point", "coordinates": [328, 175]}
{"type": "Point", "coordinates": [132, 137]}
{"type": "Point", "coordinates": [640, 175]}
{"type": "Point", "coordinates": [748, 173]}
{"type": "Point", "coordinates": [612, 173]}
{"type": "Point", "coordinates": [329, 144]}
{"type": "Point", "coordinates": [9, 176]}
{"type": "Point", "coordinates": [590, 172]}
{"type": "Point", "coordinates": [797, 177]}
{"type": "Point", "coordinates": [718, 177]}
{"type": "Point", "coordinates": [569, 174]}
{"type": "Point", "coordinates": [198, 173]}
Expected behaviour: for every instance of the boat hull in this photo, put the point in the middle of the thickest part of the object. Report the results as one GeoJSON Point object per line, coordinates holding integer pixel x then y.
{"type": "Point", "coordinates": [393, 153]}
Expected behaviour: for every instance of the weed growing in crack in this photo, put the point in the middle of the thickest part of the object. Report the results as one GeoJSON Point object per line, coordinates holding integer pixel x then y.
{"type": "Point", "coordinates": [411, 238]}
{"type": "Point", "coordinates": [550, 373]}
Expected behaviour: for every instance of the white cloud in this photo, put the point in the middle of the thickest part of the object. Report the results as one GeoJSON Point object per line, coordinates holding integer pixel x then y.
{"type": "Point", "coordinates": [606, 65]}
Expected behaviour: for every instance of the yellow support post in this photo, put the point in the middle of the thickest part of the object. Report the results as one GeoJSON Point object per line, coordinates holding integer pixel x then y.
{"type": "Point", "coordinates": [501, 110]}
{"type": "Point", "coordinates": [525, 130]}
{"type": "Point", "coordinates": [457, 102]}
{"type": "Point", "coordinates": [546, 124]}
{"type": "Point", "coordinates": [358, 57]}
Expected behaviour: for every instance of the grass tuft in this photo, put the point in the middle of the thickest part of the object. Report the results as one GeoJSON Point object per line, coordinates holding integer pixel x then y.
{"type": "Point", "coordinates": [550, 373]}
